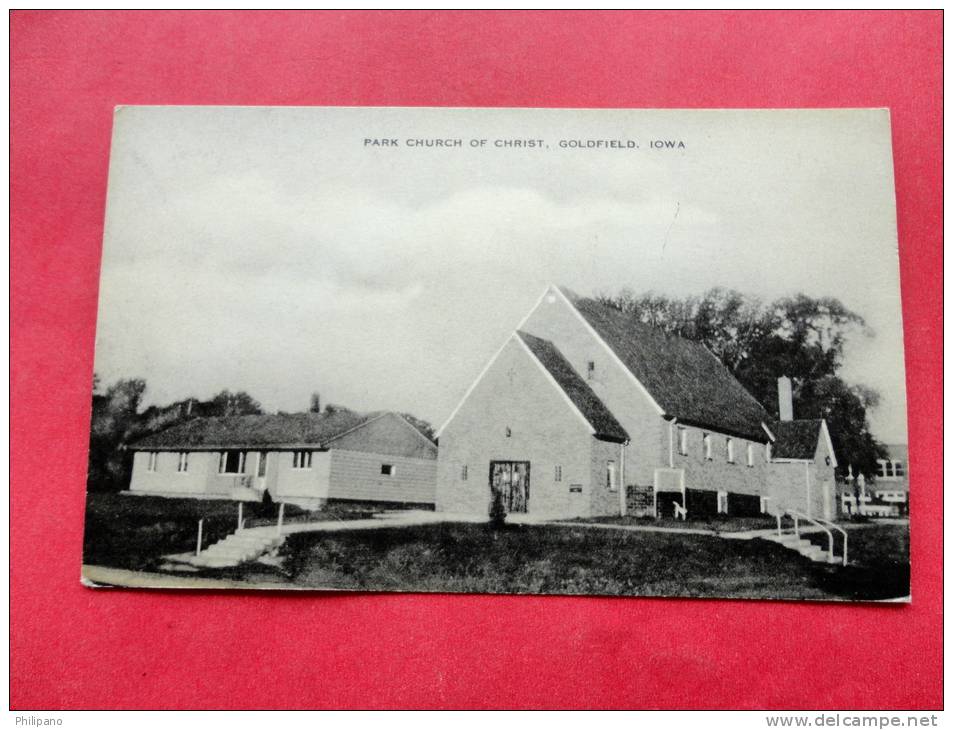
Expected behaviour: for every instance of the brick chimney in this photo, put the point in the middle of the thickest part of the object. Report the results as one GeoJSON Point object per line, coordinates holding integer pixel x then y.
{"type": "Point", "coordinates": [785, 399]}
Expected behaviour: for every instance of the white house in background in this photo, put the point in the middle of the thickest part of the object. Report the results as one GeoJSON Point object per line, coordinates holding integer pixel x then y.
{"type": "Point", "coordinates": [303, 458]}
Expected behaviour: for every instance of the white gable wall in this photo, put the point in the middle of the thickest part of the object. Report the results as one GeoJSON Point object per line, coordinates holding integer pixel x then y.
{"type": "Point", "coordinates": [557, 320]}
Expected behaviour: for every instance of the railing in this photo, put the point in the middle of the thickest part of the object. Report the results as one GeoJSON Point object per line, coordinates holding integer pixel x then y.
{"type": "Point", "coordinates": [797, 516]}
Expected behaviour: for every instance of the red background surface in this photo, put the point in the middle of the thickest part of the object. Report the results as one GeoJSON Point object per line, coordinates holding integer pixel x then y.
{"type": "Point", "coordinates": [77, 648]}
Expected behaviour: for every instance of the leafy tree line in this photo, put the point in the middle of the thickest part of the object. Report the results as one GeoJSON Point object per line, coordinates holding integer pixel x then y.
{"type": "Point", "coordinates": [118, 419]}
{"type": "Point", "coordinates": [800, 336]}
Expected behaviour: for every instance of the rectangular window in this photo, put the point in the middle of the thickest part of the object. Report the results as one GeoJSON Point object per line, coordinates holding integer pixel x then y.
{"type": "Point", "coordinates": [730, 450]}
{"type": "Point", "coordinates": [888, 465]}
{"type": "Point", "coordinates": [750, 454]}
{"type": "Point", "coordinates": [898, 468]}
{"type": "Point", "coordinates": [590, 369]}
{"type": "Point", "coordinates": [764, 505]}
{"type": "Point", "coordinates": [706, 445]}
{"type": "Point", "coordinates": [183, 462]}
{"type": "Point", "coordinates": [881, 468]}
{"type": "Point", "coordinates": [559, 474]}
{"type": "Point", "coordinates": [262, 463]}
{"type": "Point", "coordinates": [388, 470]}
{"type": "Point", "coordinates": [610, 476]}
{"type": "Point", "coordinates": [231, 462]}
{"type": "Point", "coordinates": [153, 461]}
{"type": "Point", "coordinates": [302, 460]}
{"type": "Point", "coordinates": [683, 441]}
{"type": "Point", "coordinates": [722, 503]}
{"type": "Point", "coordinates": [464, 473]}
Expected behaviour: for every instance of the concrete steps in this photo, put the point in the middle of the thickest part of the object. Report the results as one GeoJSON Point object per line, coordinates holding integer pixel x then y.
{"type": "Point", "coordinates": [804, 547]}
{"type": "Point", "coordinates": [237, 548]}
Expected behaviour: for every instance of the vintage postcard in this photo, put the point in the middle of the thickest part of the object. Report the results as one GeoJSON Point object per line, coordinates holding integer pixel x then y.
{"type": "Point", "coordinates": [556, 351]}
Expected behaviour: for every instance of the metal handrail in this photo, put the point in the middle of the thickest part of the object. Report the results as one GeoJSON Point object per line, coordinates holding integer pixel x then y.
{"type": "Point", "coordinates": [840, 529]}
{"type": "Point", "coordinates": [795, 515]}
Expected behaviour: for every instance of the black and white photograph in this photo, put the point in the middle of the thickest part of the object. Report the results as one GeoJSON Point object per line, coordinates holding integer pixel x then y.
{"type": "Point", "coordinates": [516, 351]}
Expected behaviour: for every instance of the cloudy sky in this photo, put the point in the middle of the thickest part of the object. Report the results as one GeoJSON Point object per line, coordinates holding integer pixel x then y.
{"type": "Point", "coordinates": [273, 250]}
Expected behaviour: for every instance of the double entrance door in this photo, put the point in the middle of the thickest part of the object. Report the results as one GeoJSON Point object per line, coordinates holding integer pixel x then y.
{"type": "Point", "coordinates": [510, 479]}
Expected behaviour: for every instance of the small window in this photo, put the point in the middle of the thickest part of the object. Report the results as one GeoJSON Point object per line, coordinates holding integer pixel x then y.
{"type": "Point", "coordinates": [388, 470]}
{"type": "Point", "coordinates": [611, 477]}
{"type": "Point", "coordinates": [730, 450]}
{"type": "Point", "coordinates": [706, 445]}
{"type": "Point", "coordinates": [558, 476]}
{"type": "Point", "coordinates": [302, 460]}
{"type": "Point", "coordinates": [898, 468]}
{"type": "Point", "coordinates": [231, 462]}
{"type": "Point", "coordinates": [750, 454]}
{"type": "Point", "coordinates": [722, 503]}
{"type": "Point", "coordinates": [464, 473]}
{"type": "Point", "coordinates": [881, 468]}
{"type": "Point", "coordinates": [262, 464]}
{"type": "Point", "coordinates": [153, 461]}
{"type": "Point", "coordinates": [509, 432]}
{"type": "Point", "coordinates": [590, 369]}
{"type": "Point", "coordinates": [889, 467]}
{"type": "Point", "coordinates": [183, 465]}
{"type": "Point", "coordinates": [683, 441]}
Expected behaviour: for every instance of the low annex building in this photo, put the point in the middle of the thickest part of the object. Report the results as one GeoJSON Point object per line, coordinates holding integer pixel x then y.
{"type": "Point", "coordinates": [585, 411]}
{"type": "Point", "coordinates": [303, 458]}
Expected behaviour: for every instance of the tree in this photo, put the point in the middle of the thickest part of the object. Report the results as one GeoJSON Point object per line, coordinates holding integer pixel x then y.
{"type": "Point", "coordinates": [315, 406]}
{"type": "Point", "coordinates": [802, 337]}
{"type": "Point", "coordinates": [227, 403]}
{"type": "Point", "coordinates": [425, 427]}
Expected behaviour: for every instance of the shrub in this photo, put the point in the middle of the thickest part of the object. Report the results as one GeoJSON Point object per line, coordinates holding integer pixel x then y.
{"type": "Point", "coordinates": [497, 511]}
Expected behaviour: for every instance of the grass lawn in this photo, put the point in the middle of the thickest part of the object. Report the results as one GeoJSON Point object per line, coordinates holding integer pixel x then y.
{"type": "Point", "coordinates": [134, 532]}
{"type": "Point", "coordinates": [879, 558]}
{"type": "Point", "coordinates": [568, 560]}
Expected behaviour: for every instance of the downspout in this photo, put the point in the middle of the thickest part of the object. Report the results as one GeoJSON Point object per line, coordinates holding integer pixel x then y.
{"type": "Point", "coordinates": [671, 444]}
{"type": "Point", "coordinates": [807, 487]}
{"type": "Point", "coordinates": [622, 487]}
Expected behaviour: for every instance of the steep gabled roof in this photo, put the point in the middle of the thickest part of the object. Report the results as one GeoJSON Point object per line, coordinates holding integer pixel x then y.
{"type": "Point", "coordinates": [683, 377]}
{"type": "Point", "coordinates": [796, 439]}
{"type": "Point", "coordinates": [286, 429]}
{"type": "Point", "coordinates": [604, 424]}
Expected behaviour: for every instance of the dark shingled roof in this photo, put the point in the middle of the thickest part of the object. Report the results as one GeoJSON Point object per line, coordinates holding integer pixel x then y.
{"type": "Point", "coordinates": [289, 429]}
{"type": "Point", "coordinates": [795, 439]}
{"type": "Point", "coordinates": [684, 377]}
{"type": "Point", "coordinates": [604, 424]}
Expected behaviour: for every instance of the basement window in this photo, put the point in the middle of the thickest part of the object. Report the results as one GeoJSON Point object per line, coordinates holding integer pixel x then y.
{"type": "Point", "coordinates": [231, 462]}
{"type": "Point", "coordinates": [706, 445]}
{"type": "Point", "coordinates": [302, 460]}
{"type": "Point", "coordinates": [183, 465]}
{"type": "Point", "coordinates": [153, 461]}
{"type": "Point", "coordinates": [722, 503]}
{"type": "Point", "coordinates": [611, 481]}
{"type": "Point", "coordinates": [388, 470]}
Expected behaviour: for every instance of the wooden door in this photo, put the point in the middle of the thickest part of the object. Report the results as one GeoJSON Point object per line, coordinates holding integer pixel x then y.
{"type": "Point", "coordinates": [510, 479]}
